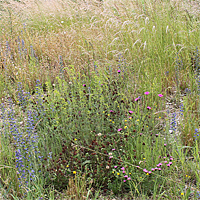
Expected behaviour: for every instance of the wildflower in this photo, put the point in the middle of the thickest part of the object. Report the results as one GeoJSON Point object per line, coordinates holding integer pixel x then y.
{"type": "Point", "coordinates": [119, 71]}
{"type": "Point", "coordinates": [129, 178]}
{"type": "Point", "coordinates": [99, 134]}
{"type": "Point", "coordinates": [111, 111]}
{"type": "Point", "coordinates": [148, 107]}
{"type": "Point", "coordinates": [150, 172]}
{"type": "Point", "coordinates": [67, 166]}
{"type": "Point", "coordinates": [130, 111]}
{"type": "Point", "coordinates": [123, 172]}
{"type": "Point", "coordinates": [160, 95]}
{"type": "Point", "coordinates": [165, 145]}
{"type": "Point", "coordinates": [110, 157]}
{"type": "Point", "coordinates": [196, 133]}
{"type": "Point", "coordinates": [118, 173]}
{"type": "Point", "coordinates": [144, 170]}
{"type": "Point", "coordinates": [147, 174]}
{"type": "Point", "coordinates": [126, 176]}
{"type": "Point", "coordinates": [152, 169]}
{"type": "Point", "coordinates": [125, 127]}
{"type": "Point", "coordinates": [110, 154]}
{"type": "Point", "coordinates": [159, 169]}
{"type": "Point", "coordinates": [182, 193]}
{"type": "Point", "coordinates": [107, 167]}
{"type": "Point", "coordinates": [74, 172]}
{"type": "Point", "coordinates": [124, 181]}
{"type": "Point", "coordinates": [115, 166]}
{"type": "Point", "coordinates": [146, 93]}
{"type": "Point", "coordinates": [137, 99]}
{"type": "Point", "coordinates": [84, 85]}
{"type": "Point", "coordinates": [113, 149]}
{"type": "Point", "coordinates": [119, 129]}
{"type": "Point", "coordinates": [75, 139]}
{"type": "Point", "coordinates": [123, 168]}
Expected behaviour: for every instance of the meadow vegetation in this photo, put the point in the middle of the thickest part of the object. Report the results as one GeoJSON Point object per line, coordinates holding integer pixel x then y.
{"type": "Point", "coordinates": [99, 99]}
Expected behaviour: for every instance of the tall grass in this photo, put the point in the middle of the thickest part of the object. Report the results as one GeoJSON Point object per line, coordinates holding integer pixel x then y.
{"type": "Point", "coordinates": [99, 98]}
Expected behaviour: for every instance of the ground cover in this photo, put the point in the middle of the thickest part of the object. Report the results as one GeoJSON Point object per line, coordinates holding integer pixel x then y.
{"type": "Point", "coordinates": [99, 100]}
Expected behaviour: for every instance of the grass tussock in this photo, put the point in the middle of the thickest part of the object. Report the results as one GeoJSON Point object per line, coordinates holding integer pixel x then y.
{"type": "Point", "coordinates": [99, 99]}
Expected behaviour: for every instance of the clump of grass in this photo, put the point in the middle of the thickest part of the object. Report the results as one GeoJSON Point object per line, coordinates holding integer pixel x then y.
{"type": "Point", "coordinates": [84, 90]}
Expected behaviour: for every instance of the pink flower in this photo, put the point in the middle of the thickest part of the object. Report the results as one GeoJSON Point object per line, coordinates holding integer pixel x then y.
{"type": "Point", "coordinates": [159, 169]}
{"type": "Point", "coordinates": [123, 168]}
{"type": "Point", "coordinates": [111, 111]}
{"type": "Point", "coordinates": [119, 71]}
{"type": "Point", "coordinates": [129, 178]}
{"type": "Point", "coordinates": [165, 161]}
{"type": "Point", "coordinates": [126, 176]}
{"type": "Point", "coordinates": [150, 172]}
{"type": "Point", "coordinates": [119, 129]}
{"type": "Point", "coordinates": [124, 181]}
{"type": "Point", "coordinates": [123, 172]}
{"type": "Point", "coordinates": [144, 170]}
{"type": "Point", "coordinates": [152, 169]}
{"type": "Point", "coordinates": [160, 95]}
{"type": "Point", "coordinates": [148, 107]}
{"type": "Point", "coordinates": [165, 145]}
{"type": "Point", "coordinates": [130, 111]}
{"type": "Point", "coordinates": [137, 99]}
{"type": "Point", "coordinates": [115, 167]}
{"type": "Point", "coordinates": [146, 93]}
{"type": "Point", "coordinates": [171, 159]}
{"type": "Point", "coordinates": [170, 163]}
{"type": "Point", "coordinates": [113, 149]}
{"type": "Point", "coordinates": [84, 85]}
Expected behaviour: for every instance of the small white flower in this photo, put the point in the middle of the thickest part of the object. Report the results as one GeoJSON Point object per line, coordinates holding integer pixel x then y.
{"type": "Point", "coordinates": [62, 22]}
{"type": "Point", "coordinates": [99, 134]}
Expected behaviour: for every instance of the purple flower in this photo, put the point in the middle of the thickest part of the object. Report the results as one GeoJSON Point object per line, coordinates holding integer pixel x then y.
{"type": "Point", "coordinates": [84, 85]}
{"type": "Point", "coordinates": [124, 181]}
{"type": "Point", "coordinates": [119, 71]}
{"type": "Point", "coordinates": [130, 111]}
{"type": "Point", "coordinates": [111, 111]}
{"type": "Point", "coordinates": [123, 172]}
{"type": "Point", "coordinates": [119, 129]}
{"type": "Point", "coordinates": [160, 95]}
{"type": "Point", "coordinates": [146, 93]}
{"type": "Point", "coordinates": [148, 107]}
